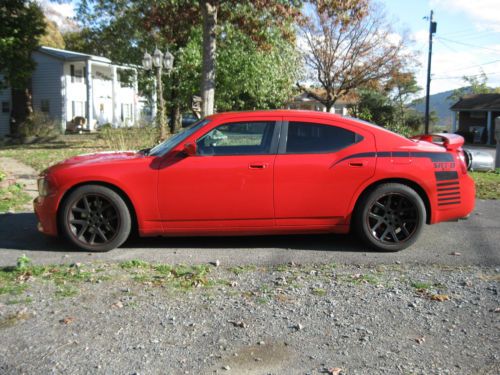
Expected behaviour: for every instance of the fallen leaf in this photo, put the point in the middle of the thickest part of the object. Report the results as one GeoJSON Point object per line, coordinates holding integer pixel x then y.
{"type": "Point", "coordinates": [334, 371]}
{"type": "Point", "coordinates": [440, 297]}
{"type": "Point", "coordinates": [237, 323]}
{"type": "Point", "coordinates": [420, 339]}
{"type": "Point", "coordinates": [117, 305]}
{"type": "Point", "coordinates": [67, 320]}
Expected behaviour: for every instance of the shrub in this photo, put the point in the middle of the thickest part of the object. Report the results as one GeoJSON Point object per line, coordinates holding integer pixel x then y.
{"type": "Point", "coordinates": [39, 124]}
{"type": "Point", "coordinates": [133, 138]}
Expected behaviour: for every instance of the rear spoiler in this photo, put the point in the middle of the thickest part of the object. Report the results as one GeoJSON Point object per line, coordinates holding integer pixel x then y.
{"type": "Point", "coordinates": [448, 140]}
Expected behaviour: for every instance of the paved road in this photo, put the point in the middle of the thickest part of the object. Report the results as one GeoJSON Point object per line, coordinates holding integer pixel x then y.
{"type": "Point", "coordinates": [477, 240]}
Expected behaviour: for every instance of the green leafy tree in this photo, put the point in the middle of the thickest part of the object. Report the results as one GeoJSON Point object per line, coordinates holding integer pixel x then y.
{"type": "Point", "coordinates": [256, 60]}
{"type": "Point", "coordinates": [52, 36]}
{"type": "Point", "coordinates": [22, 24]}
{"type": "Point", "coordinates": [475, 84]}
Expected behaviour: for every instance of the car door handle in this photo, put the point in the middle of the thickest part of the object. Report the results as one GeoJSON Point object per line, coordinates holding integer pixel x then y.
{"type": "Point", "coordinates": [258, 166]}
{"type": "Point", "coordinates": [356, 164]}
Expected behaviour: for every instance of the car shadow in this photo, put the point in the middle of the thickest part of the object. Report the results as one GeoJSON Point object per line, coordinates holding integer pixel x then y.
{"type": "Point", "coordinates": [18, 232]}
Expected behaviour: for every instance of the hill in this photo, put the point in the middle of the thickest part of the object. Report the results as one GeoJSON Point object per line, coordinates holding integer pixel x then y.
{"type": "Point", "coordinates": [440, 104]}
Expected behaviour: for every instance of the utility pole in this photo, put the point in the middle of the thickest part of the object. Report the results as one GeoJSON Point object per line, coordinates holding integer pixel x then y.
{"type": "Point", "coordinates": [432, 30]}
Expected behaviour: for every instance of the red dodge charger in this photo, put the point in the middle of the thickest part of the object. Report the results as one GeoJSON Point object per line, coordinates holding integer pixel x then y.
{"type": "Point", "coordinates": [263, 172]}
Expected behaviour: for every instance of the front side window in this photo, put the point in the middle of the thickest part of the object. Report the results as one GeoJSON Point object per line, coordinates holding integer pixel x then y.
{"type": "Point", "coordinates": [242, 138]}
{"type": "Point", "coordinates": [312, 138]}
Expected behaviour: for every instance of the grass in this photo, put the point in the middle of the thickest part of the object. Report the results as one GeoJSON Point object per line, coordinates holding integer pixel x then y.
{"type": "Point", "coordinates": [487, 184]}
{"type": "Point", "coordinates": [16, 280]}
{"type": "Point", "coordinates": [12, 197]}
{"type": "Point", "coordinates": [58, 148]}
{"type": "Point", "coordinates": [420, 285]}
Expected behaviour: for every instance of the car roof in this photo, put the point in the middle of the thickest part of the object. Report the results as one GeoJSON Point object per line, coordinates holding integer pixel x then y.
{"type": "Point", "coordinates": [276, 112]}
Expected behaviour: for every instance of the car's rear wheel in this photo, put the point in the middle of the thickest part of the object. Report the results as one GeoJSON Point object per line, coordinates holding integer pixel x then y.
{"type": "Point", "coordinates": [390, 218]}
{"type": "Point", "coordinates": [95, 218]}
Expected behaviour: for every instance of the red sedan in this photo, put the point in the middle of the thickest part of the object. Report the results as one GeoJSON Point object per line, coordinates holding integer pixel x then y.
{"type": "Point", "coordinates": [265, 172]}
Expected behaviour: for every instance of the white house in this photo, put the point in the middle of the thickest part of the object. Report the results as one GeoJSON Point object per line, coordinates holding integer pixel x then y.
{"type": "Point", "coordinates": [68, 84]}
{"type": "Point", "coordinates": [307, 102]}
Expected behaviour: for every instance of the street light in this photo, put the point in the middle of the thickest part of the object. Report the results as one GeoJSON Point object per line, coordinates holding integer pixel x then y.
{"type": "Point", "coordinates": [159, 61]}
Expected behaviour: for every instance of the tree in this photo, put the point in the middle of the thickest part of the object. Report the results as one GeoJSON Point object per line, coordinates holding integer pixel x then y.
{"type": "Point", "coordinates": [255, 47]}
{"type": "Point", "coordinates": [22, 25]}
{"type": "Point", "coordinates": [262, 14]}
{"type": "Point", "coordinates": [475, 84]}
{"type": "Point", "coordinates": [348, 44]}
{"type": "Point", "coordinates": [52, 36]}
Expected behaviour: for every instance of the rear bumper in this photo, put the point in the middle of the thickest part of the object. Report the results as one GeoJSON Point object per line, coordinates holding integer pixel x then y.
{"type": "Point", "coordinates": [46, 213]}
{"type": "Point", "coordinates": [453, 212]}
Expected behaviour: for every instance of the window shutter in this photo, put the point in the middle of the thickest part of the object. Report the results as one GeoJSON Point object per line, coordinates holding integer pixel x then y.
{"type": "Point", "coordinates": [72, 73]}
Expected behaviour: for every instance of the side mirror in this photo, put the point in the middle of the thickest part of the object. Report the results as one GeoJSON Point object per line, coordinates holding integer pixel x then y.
{"type": "Point", "coordinates": [190, 149]}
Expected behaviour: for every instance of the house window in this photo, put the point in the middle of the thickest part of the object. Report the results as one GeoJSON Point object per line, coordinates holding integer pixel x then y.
{"type": "Point", "coordinates": [78, 109]}
{"type": "Point", "coordinates": [5, 107]}
{"type": "Point", "coordinates": [126, 112]}
{"type": "Point", "coordinates": [45, 105]}
{"type": "Point", "coordinates": [76, 74]}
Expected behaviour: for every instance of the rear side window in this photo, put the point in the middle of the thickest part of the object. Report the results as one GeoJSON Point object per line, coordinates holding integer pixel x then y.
{"type": "Point", "coordinates": [304, 137]}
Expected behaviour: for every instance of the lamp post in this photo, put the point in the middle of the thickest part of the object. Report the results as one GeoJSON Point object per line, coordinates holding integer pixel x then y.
{"type": "Point", "coordinates": [159, 61]}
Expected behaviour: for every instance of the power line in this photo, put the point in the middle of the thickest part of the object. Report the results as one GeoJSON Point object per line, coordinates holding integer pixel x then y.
{"type": "Point", "coordinates": [472, 75]}
{"type": "Point", "coordinates": [474, 66]}
{"type": "Point", "coordinates": [469, 45]}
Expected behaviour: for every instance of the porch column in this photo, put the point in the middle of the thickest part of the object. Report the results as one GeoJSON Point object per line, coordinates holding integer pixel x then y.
{"type": "Point", "coordinates": [90, 96]}
{"type": "Point", "coordinates": [454, 125]}
{"type": "Point", "coordinates": [135, 111]}
{"type": "Point", "coordinates": [113, 94]}
{"type": "Point", "coordinates": [488, 128]}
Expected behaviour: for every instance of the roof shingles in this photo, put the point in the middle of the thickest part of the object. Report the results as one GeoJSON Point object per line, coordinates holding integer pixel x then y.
{"type": "Point", "coordinates": [478, 102]}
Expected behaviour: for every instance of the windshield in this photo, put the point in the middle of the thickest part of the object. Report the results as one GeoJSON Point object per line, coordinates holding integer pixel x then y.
{"type": "Point", "coordinates": [173, 141]}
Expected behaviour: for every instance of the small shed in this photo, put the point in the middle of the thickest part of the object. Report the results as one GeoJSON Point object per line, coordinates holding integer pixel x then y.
{"type": "Point", "coordinates": [474, 117]}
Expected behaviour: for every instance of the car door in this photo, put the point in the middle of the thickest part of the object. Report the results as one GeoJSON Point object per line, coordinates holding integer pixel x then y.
{"type": "Point", "coordinates": [317, 170]}
{"type": "Point", "coordinates": [228, 183]}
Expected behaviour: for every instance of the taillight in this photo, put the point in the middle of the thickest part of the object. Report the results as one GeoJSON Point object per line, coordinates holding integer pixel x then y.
{"type": "Point", "coordinates": [462, 161]}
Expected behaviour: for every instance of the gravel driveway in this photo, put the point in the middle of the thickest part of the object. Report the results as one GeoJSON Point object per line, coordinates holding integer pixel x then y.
{"type": "Point", "coordinates": [289, 319]}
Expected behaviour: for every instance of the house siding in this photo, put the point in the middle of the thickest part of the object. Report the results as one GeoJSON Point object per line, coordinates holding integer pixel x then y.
{"type": "Point", "coordinates": [47, 86]}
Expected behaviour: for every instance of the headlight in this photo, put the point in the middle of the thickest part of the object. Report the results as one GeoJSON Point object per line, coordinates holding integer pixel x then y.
{"type": "Point", "coordinates": [43, 187]}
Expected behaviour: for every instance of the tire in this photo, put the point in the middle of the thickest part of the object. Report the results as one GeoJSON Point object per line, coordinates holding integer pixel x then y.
{"type": "Point", "coordinates": [390, 217]}
{"type": "Point", "coordinates": [95, 218]}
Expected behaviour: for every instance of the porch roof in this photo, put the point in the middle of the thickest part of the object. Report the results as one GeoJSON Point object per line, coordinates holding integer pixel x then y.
{"type": "Point", "coordinates": [65, 55]}
{"type": "Point", "coordinates": [478, 102]}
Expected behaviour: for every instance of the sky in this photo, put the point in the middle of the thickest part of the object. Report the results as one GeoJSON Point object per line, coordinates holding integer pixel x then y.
{"type": "Point", "coordinates": [467, 38]}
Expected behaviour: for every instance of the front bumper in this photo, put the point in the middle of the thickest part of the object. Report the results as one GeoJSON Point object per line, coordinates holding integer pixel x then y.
{"type": "Point", "coordinates": [46, 213]}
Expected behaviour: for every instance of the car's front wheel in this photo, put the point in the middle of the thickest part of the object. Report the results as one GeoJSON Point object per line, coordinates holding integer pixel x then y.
{"type": "Point", "coordinates": [390, 218]}
{"type": "Point", "coordinates": [95, 218]}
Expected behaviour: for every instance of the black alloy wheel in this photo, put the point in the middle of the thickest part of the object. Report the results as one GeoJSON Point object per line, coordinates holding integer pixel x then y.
{"type": "Point", "coordinates": [95, 218]}
{"type": "Point", "coordinates": [391, 217]}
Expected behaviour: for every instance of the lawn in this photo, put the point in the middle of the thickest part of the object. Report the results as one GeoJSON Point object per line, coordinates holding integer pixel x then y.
{"type": "Point", "coordinates": [487, 184]}
{"type": "Point", "coordinates": [12, 196]}
{"type": "Point", "coordinates": [44, 154]}
{"type": "Point", "coordinates": [41, 155]}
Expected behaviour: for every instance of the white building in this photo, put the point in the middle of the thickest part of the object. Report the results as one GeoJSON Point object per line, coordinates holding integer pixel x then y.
{"type": "Point", "coordinates": [68, 84]}
{"type": "Point", "coordinates": [307, 102]}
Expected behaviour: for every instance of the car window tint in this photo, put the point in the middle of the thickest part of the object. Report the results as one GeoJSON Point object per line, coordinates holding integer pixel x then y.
{"type": "Point", "coordinates": [242, 138]}
{"type": "Point", "coordinates": [306, 137]}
